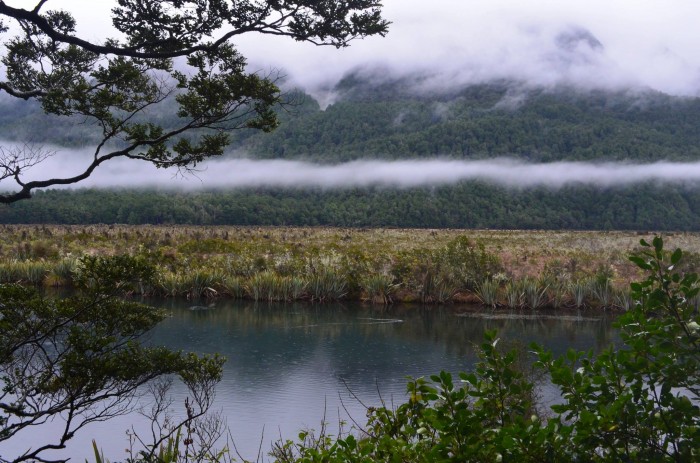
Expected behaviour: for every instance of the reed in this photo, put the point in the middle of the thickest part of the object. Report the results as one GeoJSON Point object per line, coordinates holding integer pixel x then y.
{"type": "Point", "coordinates": [170, 284]}
{"type": "Point", "coordinates": [200, 284]}
{"type": "Point", "coordinates": [261, 286]}
{"type": "Point", "coordinates": [623, 300]}
{"type": "Point", "coordinates": [437, 288]}
{"type": "Point", "coordinates": [269, 286]}
{"type": "Point", "coordinates": [297, 288]}
{"type": "Point", "coordinates": [233, 286]}
{"type": "Point", "coordinates": [560, 295]}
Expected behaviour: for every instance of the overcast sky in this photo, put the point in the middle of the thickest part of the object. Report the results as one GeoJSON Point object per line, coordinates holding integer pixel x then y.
{"type": "Point", "coordinates": [651, 43]}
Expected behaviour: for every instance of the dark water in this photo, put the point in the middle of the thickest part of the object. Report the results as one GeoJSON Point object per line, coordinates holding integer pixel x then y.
{"type": "Point", "coordinates": [290, 365]}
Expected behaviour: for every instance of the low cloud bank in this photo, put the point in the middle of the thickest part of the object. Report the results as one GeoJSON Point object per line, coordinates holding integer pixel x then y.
{"type": "Point", "coordinates": [250, 173]}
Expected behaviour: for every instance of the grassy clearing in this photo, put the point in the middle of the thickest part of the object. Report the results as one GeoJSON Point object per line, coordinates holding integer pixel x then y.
{"type": "Point", "coordinates": [513, 269]}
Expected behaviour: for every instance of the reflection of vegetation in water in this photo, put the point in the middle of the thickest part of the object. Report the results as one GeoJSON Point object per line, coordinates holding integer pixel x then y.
{"type": "Point", "coordinates": [302, 324]}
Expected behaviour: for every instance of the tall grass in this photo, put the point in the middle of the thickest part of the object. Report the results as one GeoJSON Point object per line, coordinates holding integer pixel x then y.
{"type": "Point", "coordinates": [580, 290]}
{"type": "Point", "coordinates": [535, 291]}
{"type": "Point", "coordinates": [32, 273]}
{"type": "Point", "coordinates": [268, 286]}
{"type": "Point", "coordinates": [514, 294]}
{"type": "Point", "coordinates": [63, 272]}
{"type": "Point", "coordinates": [560, 294]}
{"type": "Point", "coordinates": [200, 284]}
{"type": "Point", "coordinates": [233, 286]}
{"type": "Point", "coordinates": [327, 285]}
{"type": "Point", "coordinates": [437, 288]}
{"type": "Point", "coordinates": [602, 292]}
{"type": "Point", "coordinates": [378, 288]}
{"type": "Point", "coordinates": [488, 292]}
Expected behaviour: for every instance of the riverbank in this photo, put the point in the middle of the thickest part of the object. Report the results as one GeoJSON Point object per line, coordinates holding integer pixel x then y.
{"type": "Point", "coordinates": [509, 269]}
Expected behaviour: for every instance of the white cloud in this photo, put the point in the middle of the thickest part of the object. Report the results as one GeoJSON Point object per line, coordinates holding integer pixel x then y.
{"type": "Point", "coordinates": [646, 43]}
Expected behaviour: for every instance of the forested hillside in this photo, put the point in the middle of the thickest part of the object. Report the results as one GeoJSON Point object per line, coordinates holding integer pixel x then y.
{"type": "Point", "coordinates": [388, 121]}
{"type": "Point", "coordinates": [392, 120]}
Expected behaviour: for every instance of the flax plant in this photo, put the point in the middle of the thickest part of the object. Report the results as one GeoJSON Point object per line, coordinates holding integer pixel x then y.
{"type": "Point", "coordinates": [378, 288]}
{"type": "Point", "coordinates": [514, 294]}
{"type": "Point", "coordinates": [488, 292]}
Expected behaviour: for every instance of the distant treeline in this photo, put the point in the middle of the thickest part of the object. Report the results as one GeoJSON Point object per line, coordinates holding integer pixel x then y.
{"type": "Point", "coordinates": [467, 205]}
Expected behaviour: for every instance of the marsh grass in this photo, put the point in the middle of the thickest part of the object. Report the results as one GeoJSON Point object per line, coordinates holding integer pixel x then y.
{"type": "Point", "coordinates": [269, 286]}
{"type": "Point", "coordinates": [580, 290]}
{"type": "Point", "coordinates": [378, 288]}
{"type": "Point", "coordinates": [432, 266]}
{"type": "Point", "coordinates": [63, 272]}
{"type": "Point", "coordinates": [437, 288]}
{"type": "Point", "coordinates": [560, 296]}
{"type": "Point", "coordinates": [199, 284]}
{"type": "Point", "coordinates": [514, 294]}
{"type": "Point", "coordinates": [170, 285]}
{"type": "Point", "coordinates": [488, 293]}
{"type": "Point", "coordinates": [233, 286]}
{"type": "Point", "coordinates": [535, 291]}
{"type": "Point", "coordinates": [327, 285]}
{"type": "Point", "coordinates": [32, 273]}
{"type": "Point", "coordinates": [602, 293]}
{"type": "Point", "coordinates": [623, 299]}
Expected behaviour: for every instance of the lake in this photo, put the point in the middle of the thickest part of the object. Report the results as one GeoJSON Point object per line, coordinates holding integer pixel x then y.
{"type": "Point", "coordinates": [290, 365]}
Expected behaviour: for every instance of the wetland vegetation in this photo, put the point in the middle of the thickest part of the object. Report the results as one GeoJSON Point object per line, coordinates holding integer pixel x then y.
{"type": "Point", "coordinates": [506, 269]}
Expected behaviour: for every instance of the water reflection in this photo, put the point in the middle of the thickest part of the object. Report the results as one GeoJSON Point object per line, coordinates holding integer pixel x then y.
{"type": "Point", "coordinates": [288, 365]}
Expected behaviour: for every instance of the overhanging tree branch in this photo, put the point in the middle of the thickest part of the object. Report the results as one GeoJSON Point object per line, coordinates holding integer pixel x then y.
{"type": "Point", "coordinates": [114, 83]}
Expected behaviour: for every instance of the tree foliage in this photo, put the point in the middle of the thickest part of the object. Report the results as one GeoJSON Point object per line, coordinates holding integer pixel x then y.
{"type": "Point", "coordinates": [466, 205]}
{"type": "Point", "coordinates": [398, 120]}
{"type": "Point", "coordinates": [639, 401]}
{"type": "Point", "coordinates": [81, 359]}
{"type": "Point", "coordinates": [114, 84]}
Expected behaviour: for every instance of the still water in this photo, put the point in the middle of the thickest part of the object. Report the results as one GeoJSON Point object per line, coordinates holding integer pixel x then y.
{"type": "Point", "coordinates": [290, 365]}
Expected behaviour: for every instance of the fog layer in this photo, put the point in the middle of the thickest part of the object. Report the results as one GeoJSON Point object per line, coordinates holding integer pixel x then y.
{"type": "Point", "coordinates": [248, 173]}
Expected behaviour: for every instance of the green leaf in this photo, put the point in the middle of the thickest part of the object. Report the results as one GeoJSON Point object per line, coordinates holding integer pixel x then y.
{"type": "Point", "coordinates": [676, 256]}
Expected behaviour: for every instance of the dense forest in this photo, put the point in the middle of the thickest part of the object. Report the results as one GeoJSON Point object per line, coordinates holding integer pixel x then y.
{"type": "Point", "coordinates": [391, 120]}
{"type": "Point", "coordinates": [484, 121]}
{"type": "Point", "coordinates": [468, 205]}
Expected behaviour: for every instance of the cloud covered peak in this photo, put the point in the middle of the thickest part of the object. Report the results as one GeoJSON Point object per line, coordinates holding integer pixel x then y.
{"type": "Point", "coordinates": [453, 43]}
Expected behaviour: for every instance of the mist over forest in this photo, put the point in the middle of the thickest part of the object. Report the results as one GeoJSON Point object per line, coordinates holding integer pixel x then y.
{"type": "Point", "coordinates": [504, 154]}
